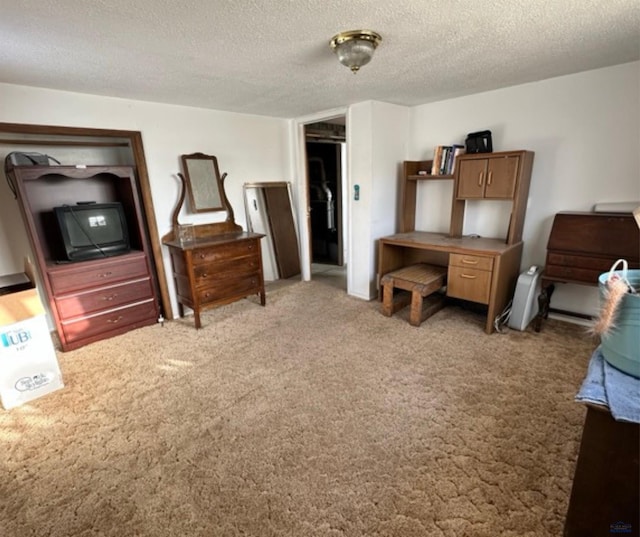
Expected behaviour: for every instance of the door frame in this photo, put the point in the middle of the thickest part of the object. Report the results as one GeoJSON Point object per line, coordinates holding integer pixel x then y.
{"type": "Point", "coordinates": [300, 172]}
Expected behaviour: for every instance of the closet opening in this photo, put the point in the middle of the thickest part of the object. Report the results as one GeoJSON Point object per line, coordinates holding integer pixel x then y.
{"type": "Point", "coordinates": [325, 145]}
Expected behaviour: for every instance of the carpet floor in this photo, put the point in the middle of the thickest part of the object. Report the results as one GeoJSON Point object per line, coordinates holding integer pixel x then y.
{"type": "Point", "coordinates": [313, 416]}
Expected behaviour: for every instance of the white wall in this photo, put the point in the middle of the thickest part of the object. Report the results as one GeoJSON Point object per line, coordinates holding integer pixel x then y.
{"type": "Point", "coordinates": [360, 175]}
{"type": "Point", "coordinates": [377, 138]}
{"type": "Point", "coordinates": [585, 131]}
{"type": "Point", "coordinates": [249, 148]}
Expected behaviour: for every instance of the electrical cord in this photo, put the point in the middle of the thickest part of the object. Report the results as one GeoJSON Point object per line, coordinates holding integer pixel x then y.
{"type": "Point", "coordinates": [501, 320]}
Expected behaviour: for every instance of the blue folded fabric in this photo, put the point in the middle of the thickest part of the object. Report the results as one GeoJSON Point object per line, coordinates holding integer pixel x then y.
{"type": "Point", "coordinates": [606, 385]}
{"type": "Point", "coordinates": [592, 389]}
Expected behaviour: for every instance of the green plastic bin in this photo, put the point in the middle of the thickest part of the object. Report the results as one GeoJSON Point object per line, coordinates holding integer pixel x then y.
{"type": "Point", "coordinates": [621, 345]}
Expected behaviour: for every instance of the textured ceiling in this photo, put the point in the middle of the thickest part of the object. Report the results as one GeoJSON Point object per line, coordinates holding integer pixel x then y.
{"type": "Point", "coordinates": [273, 57]}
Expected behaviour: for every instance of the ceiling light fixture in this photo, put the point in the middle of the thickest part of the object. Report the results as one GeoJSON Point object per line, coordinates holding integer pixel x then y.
{"type": "Point", "coordinates": [355, 48]}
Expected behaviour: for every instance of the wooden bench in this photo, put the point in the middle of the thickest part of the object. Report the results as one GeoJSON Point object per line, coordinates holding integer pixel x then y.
{"type": "Point", "coordinates": [421, 280]}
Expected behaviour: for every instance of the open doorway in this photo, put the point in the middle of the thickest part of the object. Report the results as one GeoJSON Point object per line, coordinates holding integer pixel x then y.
{"type": "Point", "coordinates": [325, 147]}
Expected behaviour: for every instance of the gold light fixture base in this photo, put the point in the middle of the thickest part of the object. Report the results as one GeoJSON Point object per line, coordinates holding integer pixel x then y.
{"type": "Point", "coordinates": [355, 47]}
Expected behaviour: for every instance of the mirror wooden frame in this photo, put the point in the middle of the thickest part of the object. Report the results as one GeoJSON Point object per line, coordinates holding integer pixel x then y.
{"type": "Point", "coordinates": [202, 230]}
{"type": "Point", "coordinates": [204, 183]}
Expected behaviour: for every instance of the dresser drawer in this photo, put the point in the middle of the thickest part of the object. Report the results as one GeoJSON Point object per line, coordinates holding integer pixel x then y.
{"type": "Point", "coordinates": [469, 284]}
{"type": "Point", "coordinates": [471, 261]}
{"type": "Point", "coordinates": [107, 297]}
{"type": "Point", "coordinates": [208, 273]}
{"type": "Point", "coordinates": [231, 289]}
{"type": "Point", "coordinates": [225, 252]}
{"type": "Point", "coordinates": [88, 274]}
{"type": "Point", "coordinates": [113, 320]}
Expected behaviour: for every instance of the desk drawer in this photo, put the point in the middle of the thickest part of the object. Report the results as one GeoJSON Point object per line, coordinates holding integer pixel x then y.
{"type": "Point", "coordinates": [469, 284]}
{"type": "Point", "coordinates": [599, 264]}
{"type": "Point", "coordinates": [471, 261]}
{"type": "Point", "coordinates": [573, 274]}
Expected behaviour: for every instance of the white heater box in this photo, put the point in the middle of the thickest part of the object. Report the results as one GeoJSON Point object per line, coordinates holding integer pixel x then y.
{"type": "Point", "coordinates": [525, 299]}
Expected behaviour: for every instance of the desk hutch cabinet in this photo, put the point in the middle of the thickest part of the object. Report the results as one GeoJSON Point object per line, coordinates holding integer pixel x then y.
{"type": "Point", "coordinates": [480, 270]}
{"type": "Point", "coordinates": [92, 299]}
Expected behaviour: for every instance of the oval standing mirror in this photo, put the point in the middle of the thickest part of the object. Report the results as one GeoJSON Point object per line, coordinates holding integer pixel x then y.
{"type": "Point", "coordinates": [204, 183]}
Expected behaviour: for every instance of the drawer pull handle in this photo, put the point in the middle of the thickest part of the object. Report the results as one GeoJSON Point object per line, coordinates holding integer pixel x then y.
{"type": "Point", "coordinates": [469, 262]}
{"type": "Point", "coordinates": [204, 275]}
{"type": "Point", "coordinates": [110, 297]}
{"type": "Point", "coordinates": [116, 320]}
{"type": "Point", "coordinates": [489, 176]}
{"type": "Point", "coordinates": [468, 276]}
{"type": "Point", "coordinates": [104, 275]}
{"type": "Point", "coordinates": [480, 178]}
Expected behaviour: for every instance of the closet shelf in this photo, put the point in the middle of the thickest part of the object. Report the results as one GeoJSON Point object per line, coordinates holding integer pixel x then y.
{"type": "Point", "coordinates": [6, 141]}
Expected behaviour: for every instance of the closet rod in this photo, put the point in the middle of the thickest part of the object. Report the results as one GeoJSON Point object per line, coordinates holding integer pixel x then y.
{"type": "Point", "coordinates": [63, 142]}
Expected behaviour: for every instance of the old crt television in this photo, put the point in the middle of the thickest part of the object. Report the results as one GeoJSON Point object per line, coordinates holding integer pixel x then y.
{"type": "Point", "coordinates": [91, 230]}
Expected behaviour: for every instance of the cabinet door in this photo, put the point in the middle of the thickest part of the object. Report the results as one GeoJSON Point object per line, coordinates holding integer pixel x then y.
{"type": "Point", "coordinates": [471, 178]}
{"type": "Point", "coordinates": [501, 177]}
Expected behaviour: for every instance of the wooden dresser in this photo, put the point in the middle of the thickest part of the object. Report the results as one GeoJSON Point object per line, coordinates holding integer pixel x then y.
{"type": "Point", "coordinates": [583, 245]}
{"type": "Point", "coordinates": [218, 263]}
{"type": "Point", "coordinates": [213, 270]}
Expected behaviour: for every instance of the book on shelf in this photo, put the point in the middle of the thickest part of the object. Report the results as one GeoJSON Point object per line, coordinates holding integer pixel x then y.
{"type": "Point", "coordinates": [458, 150]}
{"type": "Point", "coordinates": [444, 158]}
{"type": "Point", "coordinates": [437, 157]}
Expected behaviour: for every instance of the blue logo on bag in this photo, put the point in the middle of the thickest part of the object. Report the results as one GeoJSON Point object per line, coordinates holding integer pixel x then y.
{"type": "Point", "coordinates": [13, 338]}
{"type": "Point", "coordinates": [620, 527]}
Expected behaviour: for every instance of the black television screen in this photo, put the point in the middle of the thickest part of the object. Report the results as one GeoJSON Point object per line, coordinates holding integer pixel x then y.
{"type": "Point", "coordinates": [92, 230]}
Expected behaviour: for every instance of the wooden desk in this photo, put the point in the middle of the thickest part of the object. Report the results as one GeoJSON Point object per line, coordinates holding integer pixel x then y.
{"type": "Point", "coordinates": [480, 270]}
{"type": "Point", "coordinates": [581, 246]}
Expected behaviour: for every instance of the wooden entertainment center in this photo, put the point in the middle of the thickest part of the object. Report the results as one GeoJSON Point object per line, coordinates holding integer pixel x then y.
{"type": "Point", "coordinates": [479, 270]}
{"type": "Point", "coordinates": [98, 298]}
